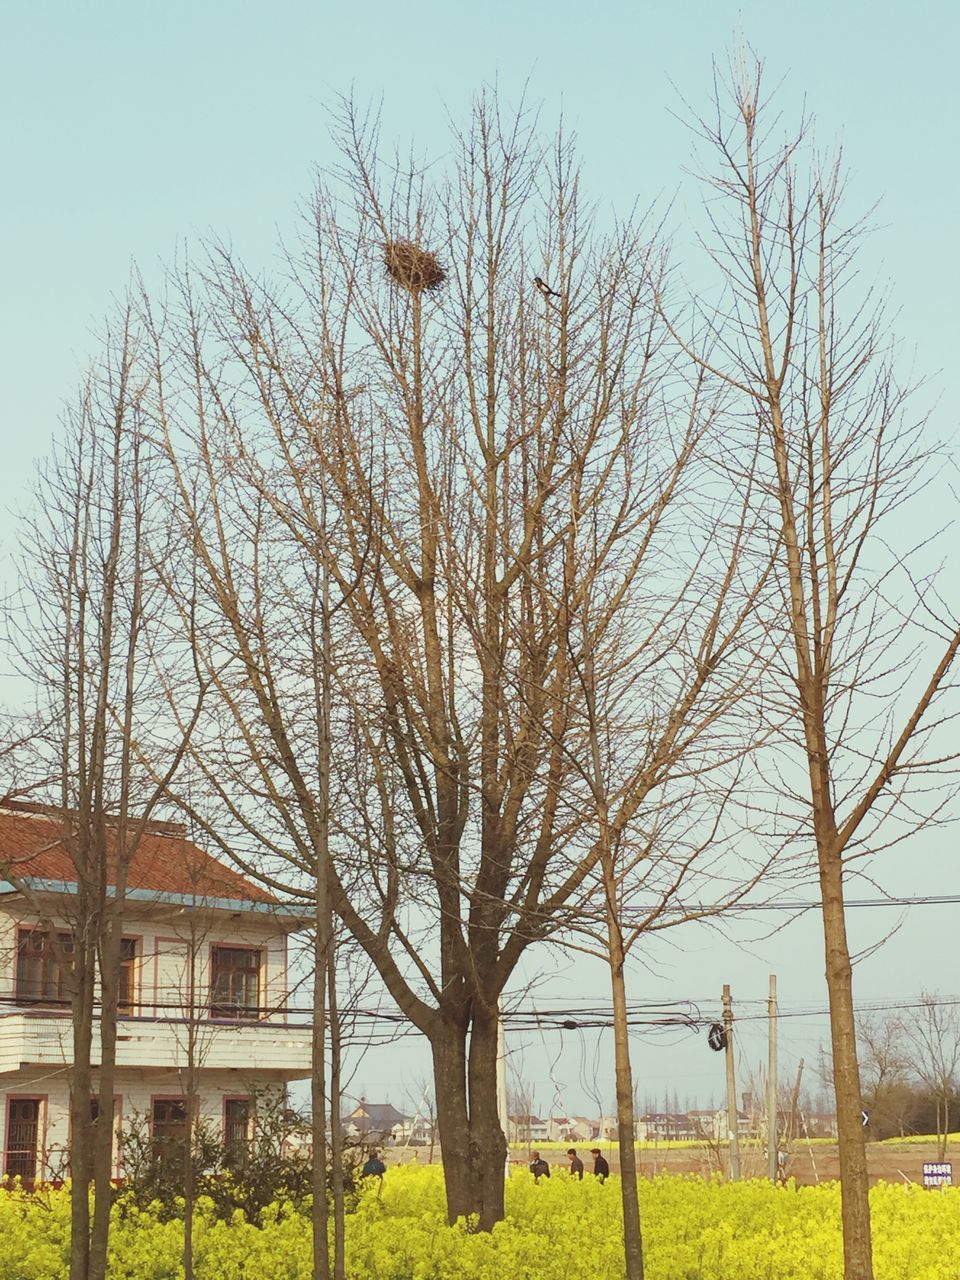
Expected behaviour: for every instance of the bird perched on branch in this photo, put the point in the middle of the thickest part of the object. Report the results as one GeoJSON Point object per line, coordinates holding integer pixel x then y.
{"type": "Point", "coordinates": [544, 289]}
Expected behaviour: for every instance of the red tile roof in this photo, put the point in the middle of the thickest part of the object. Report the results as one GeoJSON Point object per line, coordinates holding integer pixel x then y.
{"type": "Point", "coordinates": [166, 861]}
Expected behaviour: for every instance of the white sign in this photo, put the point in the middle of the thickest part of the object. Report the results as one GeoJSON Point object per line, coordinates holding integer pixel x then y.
{"type": "Point", "coordinates": [937, 1173]}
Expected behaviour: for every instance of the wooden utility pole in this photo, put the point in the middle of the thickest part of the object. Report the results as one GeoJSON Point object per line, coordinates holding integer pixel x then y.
{"type": "Point", "coordinates": [733, 1123]}
{"type": "Point", "coordinates": [772, 1080]}
{"type": "Point", "coordinates": [794, 1122]}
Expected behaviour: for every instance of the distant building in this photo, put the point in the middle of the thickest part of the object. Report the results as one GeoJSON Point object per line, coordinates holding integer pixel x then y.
{"type": "Point", "coordinates": [571, 1129]}
{"type": "Point", "coordinates": [375, 1122]}
{"type": "Point", "coordinates": [711, 1124]}
{"type": "Point", "coordinates": [415, 1131]}
{"type": "Point", "coordinates": [666, 1126]}
{"type": "Point", "coordinates": [586, 1128]}
{"type": "Point", "coordinates": [527, 1128]}
{"type": "Point", "coordinates": [606, 1129]}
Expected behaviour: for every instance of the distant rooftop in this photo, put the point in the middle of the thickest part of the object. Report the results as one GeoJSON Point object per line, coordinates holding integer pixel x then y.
{"type": "Point", "coordinates": [375, 1116]}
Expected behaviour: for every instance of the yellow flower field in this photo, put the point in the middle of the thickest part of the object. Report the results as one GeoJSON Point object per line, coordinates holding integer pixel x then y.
{"type": "Point", "coordinates": [693, 1230]}
{"type": "Point", "coordinates": [920, 1139]}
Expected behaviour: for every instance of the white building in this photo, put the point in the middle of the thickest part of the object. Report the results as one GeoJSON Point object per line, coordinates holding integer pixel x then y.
{"type": "Point", "coordinates": [713, 1123]}
{"type": "Point", "coordinates": [204, 961]}
{"type": "Point", "coordinates": [527, 1128]}
{"type": "Point", "coordinates": [607, 1129]}
{"type": "Point", "coordinates": [572, 1129]}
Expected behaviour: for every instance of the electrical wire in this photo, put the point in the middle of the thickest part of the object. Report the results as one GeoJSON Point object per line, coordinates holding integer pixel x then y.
{"type": "Point", "coordinates": [654, 1015]}
{"type": "Point", "coordinates": [797, 905]}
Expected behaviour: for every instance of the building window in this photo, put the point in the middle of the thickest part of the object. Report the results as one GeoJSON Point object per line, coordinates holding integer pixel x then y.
{"type": "Point", "coordinates": [127, 993]}
{"type": "Point", "coordinates": [44, 961]}
{"type": "Point", "coordinates": [234, 982]}
{"type": "Point", "coordinates": [23, 1133]}
{"type": "Point", "coordinates": [169, 1130]}
{"type": "Point", "coordinates": [237, 1115]}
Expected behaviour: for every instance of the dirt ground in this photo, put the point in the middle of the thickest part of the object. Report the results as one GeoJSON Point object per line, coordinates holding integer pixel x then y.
{"type": "Point", "coordinates": [807, 1164]}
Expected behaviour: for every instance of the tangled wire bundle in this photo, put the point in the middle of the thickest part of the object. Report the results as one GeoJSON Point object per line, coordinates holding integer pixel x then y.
{"type": "Point", "coordinates": [411, 267]}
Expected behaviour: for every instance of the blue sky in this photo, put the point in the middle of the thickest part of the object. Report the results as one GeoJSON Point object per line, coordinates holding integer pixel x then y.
{"type": "Point", "coordinates": [130, 127]}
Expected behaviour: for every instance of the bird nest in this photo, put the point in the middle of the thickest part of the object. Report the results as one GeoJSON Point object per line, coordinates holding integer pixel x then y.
{"type": "Point", "coordinates": [411, 267]}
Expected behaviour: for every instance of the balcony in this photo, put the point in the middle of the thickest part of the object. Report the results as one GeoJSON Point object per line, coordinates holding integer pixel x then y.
{"type": "Point", "coordinates": [44, 1037]}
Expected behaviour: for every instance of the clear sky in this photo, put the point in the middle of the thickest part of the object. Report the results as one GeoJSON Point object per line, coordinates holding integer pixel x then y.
{"type": "Point", "coordinates": [129, 127]}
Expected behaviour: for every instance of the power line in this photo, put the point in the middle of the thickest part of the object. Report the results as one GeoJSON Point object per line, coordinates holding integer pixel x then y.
{"type": "Point", "coordinates": [798, 905]}
{"type": "Point", "coordinates": [665, 1014]}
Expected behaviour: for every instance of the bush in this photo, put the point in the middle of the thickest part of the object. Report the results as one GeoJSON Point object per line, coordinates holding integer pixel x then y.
{"type": "Point", "coordinates": [274, 1168]}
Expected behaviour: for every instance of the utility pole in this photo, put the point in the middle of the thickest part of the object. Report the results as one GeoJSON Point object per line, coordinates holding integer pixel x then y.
{"type": "Point", "coordinates": [733, 1123]}
{"type": "Point", "coordinates": [502, 1084]}
{"type": "Point", "coordinates": [793, 1122]}
{"type": "Point", "coordinates": [772, 1080]}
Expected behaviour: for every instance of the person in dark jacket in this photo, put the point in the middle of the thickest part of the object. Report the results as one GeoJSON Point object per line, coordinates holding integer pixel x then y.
{"type": "Point", "coordinates": [601, 1169]}
{"type": "Point", "coordinates": [576, 1164]}
{"type": "Point", "coordinates": [374, 1168]}
{"type": "Point", "coordinates": [539, 1167]}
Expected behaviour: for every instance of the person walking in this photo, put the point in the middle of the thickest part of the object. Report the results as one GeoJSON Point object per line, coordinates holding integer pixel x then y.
{"type": "Point", "coordinates": [539, 1167]}
{"type": "Point", "coordinates": [374, 1168]}
{"type": "Point", "coordinates": [576, 1164]}
{"type": "Point", "coordinates": [601, 1169]}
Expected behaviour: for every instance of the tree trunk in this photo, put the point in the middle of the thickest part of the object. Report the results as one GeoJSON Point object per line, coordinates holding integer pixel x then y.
{"type": "Point", "coordinates": [626, 1128]}
{"type": "Point", "coordinates": [855, 1203]}
{"type": "Point", "coordinates": [103, 1129]}
{"type": "Point", "coordinates": [80, 1136]}
{"type": "Point", "coordinates": [336, 1135]}
{"type": "Point", "coordinates": [81, 1083]}
{"type": "Point", "coordinates": [488, 1145]}
{"type": "Point", "coordinates": [189, 1193]}
{"type": "Point", "coordinates": [318, 1087]}
{"type": "Point", "coordinates": [192, 1106]}
{"type": "Point", "coordinates": [450, 1079]}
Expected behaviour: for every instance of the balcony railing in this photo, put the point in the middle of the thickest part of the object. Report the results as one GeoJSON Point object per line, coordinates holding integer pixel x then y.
{"type": "Point", "coordinates": [45, 1037]}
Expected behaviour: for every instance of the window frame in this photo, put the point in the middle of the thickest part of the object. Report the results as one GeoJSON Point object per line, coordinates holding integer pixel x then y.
{"type": "Point", "coordinates": [237, 1149]}
{"type": "Point", "coordinates": [222, 1005]}
{"type": "Point", "coordinates": [130, 965]}
{"type": "Point", "coordinates": [51, 965]}
{"type": "Point", "coordinates": [169, 1146]}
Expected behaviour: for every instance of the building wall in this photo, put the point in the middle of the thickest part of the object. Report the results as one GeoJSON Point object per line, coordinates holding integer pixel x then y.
{"type": "Point", "coordinates": [235, 1057]}
{"type": "Point", "coordinates": [164, 948]}
{"type": "Point", "coordinates": [134, 1093]}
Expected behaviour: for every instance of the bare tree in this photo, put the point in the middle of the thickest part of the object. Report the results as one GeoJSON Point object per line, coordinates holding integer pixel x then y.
{"type": "Point", "coordinates": [463, 459]}
{"type": "Point", "coordinates": [664, 734]}
{"type": "Point", "coordinates": [866, 642]}
{"type": "Point", "coordinates": [421, 1100]}
{"type": "Point", "coordinates": [884, 1055]}
{"type": "Point", "coordinates": [90, 598]}
{"type": "Point", "coordinates": [521, 1102]}
{"type": "Point", "coordinates": [932, 1033]}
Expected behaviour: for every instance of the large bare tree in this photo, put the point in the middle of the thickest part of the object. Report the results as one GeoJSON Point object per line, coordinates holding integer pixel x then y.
{"type": "Point", "coordinates": [867, 642]}
{"type": "Point", "coordinates": [457, 410]}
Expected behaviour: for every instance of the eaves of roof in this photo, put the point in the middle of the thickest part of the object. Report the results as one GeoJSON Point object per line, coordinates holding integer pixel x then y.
{"type": "Point", "coordinates": [276, 910]}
